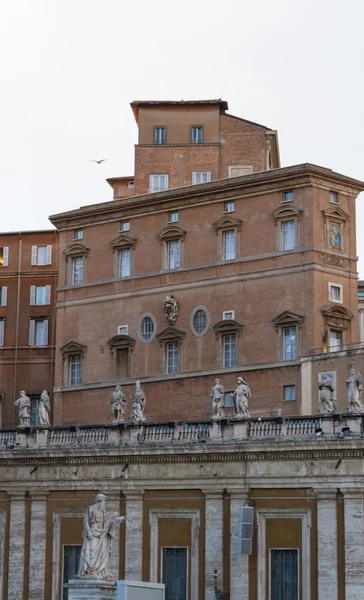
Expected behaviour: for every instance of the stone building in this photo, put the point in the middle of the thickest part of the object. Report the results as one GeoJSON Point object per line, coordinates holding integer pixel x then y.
{"type": "Point", "coordinates": [28, 281]}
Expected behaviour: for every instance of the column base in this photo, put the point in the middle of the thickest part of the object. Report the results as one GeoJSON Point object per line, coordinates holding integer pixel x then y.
{"type": "Point", "coordinates": [89, 588]}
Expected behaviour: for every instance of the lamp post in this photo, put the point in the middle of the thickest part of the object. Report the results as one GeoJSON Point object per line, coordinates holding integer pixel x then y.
{"type": "Point", "coordinates": [219, 595]}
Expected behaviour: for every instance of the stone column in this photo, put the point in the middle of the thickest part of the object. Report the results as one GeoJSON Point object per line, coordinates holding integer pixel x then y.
{"type": "Point", "coordinates": [354, 544]}
{"type": "Point", "coordinates": [133, 535]}
{"type": "Point", "coordinates": [213, 541]}
{"type": "Point", "coordinates": [113, 510]}
{"type": "Point", "coordinates": [38, 523]}
{"type": "Point", "coordinates": [17, 545]}
{"type": "Point", "coordinates": [239, 563]}
{"type": "Point", "coordinates": [327, 543]}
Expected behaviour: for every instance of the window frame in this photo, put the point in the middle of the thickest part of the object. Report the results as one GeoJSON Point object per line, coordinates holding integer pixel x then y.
{"type": "Point", "coordinates": [228, 312]}
{"type": "Point", "coordinates": [71, 349]}
{"type": "Point", "coordinates": [294, 328]}
{"type": "Point", "coordinates": [298, 572]}
{"type": "Point", "coordinates": [221, 329]}
{"type": "Point", "coordinates": [284, 214]}
{"type": "Point", "coordinates": [32, 331]}
{"type": "Point", "coordinates": [78, 234]}
{"type": "Point", "coordinates": [122, 252]}
{"type": "Point", "coordinates": [171, 233]}
{"type": "Point", "coordinates": [196, 173]}
{"type": "Point", "coordinates": [171, 218]}
{"type": "Point", "coordinates": [122, 242]}
{"type": "Point", "coordinates": [62, 566]}
{"type": "Point", "coordinates": [76, 250]}
{"type": "Point", "coordinates": [187, 565]}
{"type": "Point", "coordinates": [140, 326]}
{"type": "Point", "coordinates": [285, 193]}
{"type": "Point", "coordinates": [178, 351]}
{"type": "Point", "coordinates": [208, 320]}
{"type": "Point", "coordinates": [221, 226]}
{"type": "Point", "coordinates": [335, 347]}
{"type": "Point", "coordinates": [121, 342]}
{"type": "Point", "coordinates": [284, 320]}
{"type": "Point", "coordinates": [126, 330]}
{"type": "Point", "coordinates": [224, 245]}
{"type": "Point", "coordinates": [151, 175]}
{"type": "Point", "coordinates": [2, 334]}
{"type": "Point", "coordinates": [155, 129]}
{"type": "Point", "coordinates": [231, 403]}
{"type": "Point", "coordinates": [341, 289]}
{"type": "Point", "coordinates": [226, 205]}
{"type": "Point", "coordinates": [334, 194]}
{"type": "Point", "coordinates": [168, 262]}
{"type": "Point", "coordinates": [285, 387]}
{"type": "Point", "coordinates": [224, 354]}
{"type": "Point", "coordinates": [74, 271]}
{"type": "Point", "coordinates": [4, 256]}
{"type": "Point", "coordinates": [125, 225]}
{"type": "Point", "coordinates": [34, 292]}
{"type": "Point", "coordinates": [3, 296]}
{"type": "Point", "coordinates": [169, 335]}
{"type": "Point", "coordinates": [202, 134]}
{"type": "Point", "coordinates": [294, 229]}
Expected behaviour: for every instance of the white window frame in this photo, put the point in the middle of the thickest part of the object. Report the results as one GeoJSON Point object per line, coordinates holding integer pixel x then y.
{"type": "Point", "coordinates": [157, 177]}
{"type": "Point", "coordinates": [3, 295]}
{"type": "Point", "coordinates": [285, 196]}
{"type": "Point", "coordinates": [169, 343]}
{"type": "Point", "coordinates": [33, 295]}
{"type": "Point", "coordinates": [201, 175]}
{"type": "Point", "coordinates": [32, 333]}
{"type": "Point", "coordinates": [70, 357]}
{"type": "Point", "coordinates": [73, 262]}
{"type": "Point", "coordinates": [5, 257]}
{"type": "Point", "coordinates": [131, 184]}
{"type": "Point", "coordinates": [157, 139]}
{"type": "Point", "coordinates": [224, 336]}
{"type": "Point", "coordinates": [283, 223]}
{"type": "Point", "coordinates": [123, 329]}
{"type": "Point", "coordinates": [34, 255]}
{"type": "Point", "coordinates": [125, 226]}
{"type": "Point", "coordinates": [78, 234]}
{"type": "Point", "coordinates": [283, 341]}
{"type": "Point", "coordinates": [224, 234]}
{"type": "Point", "coordinates": [229, 203]}
{"type": "Point", "coordinates": [197, 141]}
{"type": "Point", "coordinates": [62, 565]}
{"type": "Point", "coordinates": [335, 347]}
{"type": "Point", "coordinates": [173, 216]}
{"type": "Point", "coordinates": [334, 195]}
{"type": "Point", "coordinates": [341, 288]}
{"type": "Point", "coordinates": [298, 570]}
{"type": "Point", "coordinates": [122, 252]}
{"type": "Point", "coordinates": [168, 267]}
{"type": "Point", "coordinates": [228, 312]}
{"type": "Point", "coordinates": [290, 385]}
{"type": "Point", "coordinates": [187, 563]}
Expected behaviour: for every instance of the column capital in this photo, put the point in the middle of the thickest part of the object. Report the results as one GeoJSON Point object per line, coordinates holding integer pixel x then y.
{"type": "Point", "coordinates": [352, 493]}
{"type": "Point", "coordinates": [17, 495]}
{"type": "Point", "coordinates": [212, 494]}
{"type": "Point", "coordinates": [39, 495]}
{"type": "Point", "coordinates": [325, 493]}
{"type": "Point", "coordinates": [134, 495]}
{"type": "Point", "coordinates": [238, 494]}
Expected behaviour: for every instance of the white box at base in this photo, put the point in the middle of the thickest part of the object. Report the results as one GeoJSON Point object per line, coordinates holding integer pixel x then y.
{"type": "Point", "coordinates": [139, 590]}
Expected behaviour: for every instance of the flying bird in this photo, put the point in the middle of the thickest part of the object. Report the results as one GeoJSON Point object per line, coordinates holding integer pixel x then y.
{"type": "Point", "coordinates": [99, 161]}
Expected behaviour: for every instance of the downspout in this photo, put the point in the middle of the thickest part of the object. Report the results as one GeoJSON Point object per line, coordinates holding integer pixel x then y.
{"type": "Point", "coordinates": [17, 326]}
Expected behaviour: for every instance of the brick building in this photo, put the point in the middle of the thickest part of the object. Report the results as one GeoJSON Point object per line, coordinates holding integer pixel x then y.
{"type": "Point", "coordinates": [28, 281]}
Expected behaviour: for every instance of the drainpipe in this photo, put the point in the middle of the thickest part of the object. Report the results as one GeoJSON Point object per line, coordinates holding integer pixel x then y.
{"type": "Point", "coordinates": [17, 326]}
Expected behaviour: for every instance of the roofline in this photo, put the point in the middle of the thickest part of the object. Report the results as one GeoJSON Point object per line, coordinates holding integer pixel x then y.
{"type": "Point", "coordinates": [28, 232]}
{"type": "Point", "coordinates": [136, 104]}
{"type": "Point", "coordinates": [213, 186]}
{"type": "Point", "coordinates": [245, 120]}
{"type": "Point", "coordinates": [122, 178]}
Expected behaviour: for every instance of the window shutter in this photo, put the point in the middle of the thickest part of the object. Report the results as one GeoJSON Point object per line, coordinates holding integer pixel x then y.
{"type": "Point", "coordinates": [5, 256]}
{"type": "Point", "coordinates": [245, 534]}
{"type": "Point", "coordinates": [31, 331]}
{"type": "Point", "coordinates": [2, 330]}
{"type": "Point", "coordinates": [48, 294]}
{"type": "Point", "coordinates": [46, 332]}
{"type": "Point", "coordinates": [49, 255]}
{"type": "Point", "coordinates": [4, 295]}
{"type": "Point", "coordinates": [34, 256]}
{"type": "Point", "coordinates": [32, 295]}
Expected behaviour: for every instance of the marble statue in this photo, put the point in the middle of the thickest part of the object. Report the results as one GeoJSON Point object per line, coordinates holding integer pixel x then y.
{"type": "Point", "coordinates": [217, 395]}
{"type": "Point", "coordinates": [241, 396]}
{"type": "Point", "coordinates": [98, 536]}
{"type": "Point", "coordinates": [118, 405]}
{"type": "Point", "coordinates": [24, 404]}
{"type": "Point", "coordinates": [355, 391]}
{"type": "Point", "coordinates": [43, 410]}
{"type": "Point", "coordinates": [170, 307]}
{"type": "Point", "coordinates": [326, 393]}
{"type": "Point", "coordinates": [137, 413]}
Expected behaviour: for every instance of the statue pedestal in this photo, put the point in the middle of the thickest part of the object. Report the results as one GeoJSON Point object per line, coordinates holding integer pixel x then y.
{"type": "Point", "coordinates": [87, 588]}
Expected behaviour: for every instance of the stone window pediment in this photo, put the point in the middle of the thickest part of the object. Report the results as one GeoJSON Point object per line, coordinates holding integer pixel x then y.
{"type": "Point", "coordinates": [227, 223]}
{"type": "Point", "coordinates": [76, 250]}
{"type": "Point", "coordinates": [170, 333]}
{"type": "Point", "coordinates": [121, 341]}
{"type": "Point", "coordinates": [335, 213]}
{"type": "Point", "coordinates": [227, 326]}
{"type": "Point", "coordinates": [337, 317]}
{"type": "Point", "coordinates": [171, 232]}
{"type": "Point", "coordinates": [123, 241]}
{"type": "Point", "coordinates": [287, 319]}
{"type": "Point", "coordinates": [73, 347]}
{"type": "Point", "coordinates": [286, 212]}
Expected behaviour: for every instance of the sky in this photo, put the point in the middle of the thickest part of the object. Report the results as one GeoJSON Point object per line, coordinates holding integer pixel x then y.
{"type": "Point", "coordinates": [69, 70]}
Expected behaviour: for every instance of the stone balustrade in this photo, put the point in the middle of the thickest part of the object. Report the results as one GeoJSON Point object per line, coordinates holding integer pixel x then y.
{"type": "Point", "coordinates": [280, 428]}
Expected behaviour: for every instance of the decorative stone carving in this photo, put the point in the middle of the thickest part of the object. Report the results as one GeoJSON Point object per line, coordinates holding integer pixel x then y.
{"type": "Point", "coordinates": [118, 405]}
{"type": "Point", "coordinates": [326, 393]}
{"type": "Point", "coordinates": [24, 404]}
{"type": "Point", "coordinates": [170, 307]}
{"type": "Point", "coordinates": [137, 413]}
{"type": "Point", "coordinates": [355, 391]}
{"type": "Point", "coordinates": [98, 536]}
{"type": "Point", "coordinates": [44, 408]}
{"type": "Point", "coordinates": [241, 397]}
{"type": "Point", "coordinates": [217, 395]}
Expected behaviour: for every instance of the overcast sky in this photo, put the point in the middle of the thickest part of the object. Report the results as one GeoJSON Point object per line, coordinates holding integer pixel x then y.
{"type": "Point", "coordinates": [70, 68]}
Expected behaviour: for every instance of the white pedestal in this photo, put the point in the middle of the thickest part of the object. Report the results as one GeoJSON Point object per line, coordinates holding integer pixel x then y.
{"type": "Point", "coordinates": [140, 590]}
{"type": "Point", "coordinates": [87, 588]}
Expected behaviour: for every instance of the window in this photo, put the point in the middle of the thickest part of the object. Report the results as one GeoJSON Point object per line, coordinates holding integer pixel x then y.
{"type": "Point", "coordinates": [4, 256]}
{"type": "Point", "coordinates": [158, 183]}
{"type": "Point", "coordinates": [283, 574]}
{"type": "Point", "coordinates": [201, 177]}
{"type": "Point", "coordinates": [123, 329]}
{"type": "Point", "coordinates": [197, 134]}
{"type": "Point", "coordinates": [3, 295]}
{"type": "Point", "coordinates": [34, 417]}
{"type": "Point", "coordinates": [288, 235]}
{"type": "Point", "coordinates": [289, 392]}
{"type": "Point", "coordinates": [38, 332]}
{"type": "Point", "coordinates": [335, 292]}
{"type": "Point", "coordinates": [40, 295]}
{"type": "Point", "coordinates": [172, 350]}
{"type": "Point", "coordinates": [289, 343]}
{"type": "Point", "coordinates": [41, 255]}
{"type": "Point", "coordinates": [335, 340]}
{"type": "Point", "coordinates": [78, 234]}
{"type": "Point", "coordinates": [71, 561]}
{"type": "Point", "coordinates": [159, 135]}
{"type": "Point", "coordinates": [174, 573]}
{"type": "Point", "coordinates": [288, 196]}
{"type": "Point", "coordinates": [77, 270]}
{"type": "Point", "coordinates": [229, 207]}
{"type": "Point", "coordinates": [173, 216]}
{"type": "Point", "coordinates": [199, 321]}
{"type": "Point", "coordinates": [121, 354]}
{"type": "Point", "coordinates": [229, 245]}
{"type": "Point", "coordinates": [131, 184]}
{"type": "Point", "coordinates": [228, 314]}
{"type": "Point", "coordinates": [173, 254]}
{"type": "Point", "coordinates": [75, 369]}
{"type": "Point", "coordinates": [2, 332]}
{"type": "Point", "coordinates": [124, 225]}
{"type": "Point", "coordinates": [147, 328]}
{"type": "Point", "coordinates": [125, 262]}
{"type": "Point", "coordinates": [228, 399]}
{"type": "Point", "coordinates": [334, 197]}
{"type": "Point", "coordinates": [229, 350]}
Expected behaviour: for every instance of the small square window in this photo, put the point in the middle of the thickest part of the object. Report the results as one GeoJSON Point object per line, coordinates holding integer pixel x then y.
{"type": "Point", "coordinates": [289, 392]}
{"type": "Point", "coordinates": [197, 134]}
{"type": "Point", "coordinates": [173, 216]}
{"type": "Point", "coordinates": [229, 207]}
{"type": "Point", "coordinates": [227, 314]}
{"type": "Point", "coordinates": [228, 399]}
{"type": "Point", "coordinates": [124, 225]}
{"type": "Point", "coordinates": [335, 292]}
{"type": "Point", "coordinates": [288, 196]}
{"type": "Point", "coordinates": [334, 197]}
{"type": "Point", "coordinates": [131, 184]}
{"type": "Point", "coordinates": [159, 135]}
{"type": "Point", "coordinates": [78, 235]}
{"type": "Point", "coordinates": [123, 329]}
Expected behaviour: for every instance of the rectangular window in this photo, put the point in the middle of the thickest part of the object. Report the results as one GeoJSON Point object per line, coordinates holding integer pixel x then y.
{"type": "Point", "coordinates": [4, 256]}
{"type": "Point", "coordinates": [2, 332]}
{"type": "Point", "coordinates": [288, 196]}
{"type": "Point", "coordinates": [335, 340]}
{"type": "Point", "coordinates": [71, 561]}
{"type": "Point", "coordinates": [75, 369]}
{"type": "Point", "coordinates": [77, 270]}
{"type": "Point", "coordinates": [334, 197]}
{"type": "Point", "coordinates": [283, 574]}
{"type": "Point", "coordinates": [3, 295]}
{"type": "Point", "coordinates": [173, 216]}
{"type": "Point", "coordinates": [174, 573]}
{"type": "Point", "coordinates": [229, 350]}
{"type": "Point", "coordinates": [121, 363]}
{"type": "Point", "coordinates": [78, 234]}
{"type": "Point", "coordinates": [173, 254]}
{"type": "Point", "coordinates": [34, 417]}
{"type": "Point", "coordinates": [158, 183]}
{"type": "Point", "coordinates": [201, 177]}
{"type": "Point", "coordinates": [289, 392]}
{"type": "Point", "coordinates": [289, 343]}
{"type": "Point", "coordinates": [125, 262]}
{"type": "Point", "coordinates": [124, 225]}
{"type": "Point", "coordinates": [40, 295]}
{"type": "Point", "coordinates": [228, 399]}
{"type": "Point", "coordinates": [229, 207]}
{"type": "Point", "coordinates": [229, 245]}
{"type": "Point", "coordinates": [288, 235]}
{"type": "Point", "coordinates": [41, 255]}
{"type": "Point", "coordinates": [335, 292]}
{"type": "Point", "coordinates": [228, 314]}
{"type": "Point", "coordinates": [38, 332]}
{"type": "Point", "coordinates": [122, 329]}
{"type": "Point", "coordinates": [197, 134]}
{"type": "Point", "coordinates": [131, 184]}
{"type": "Point", "coordinates": [159, 135]}
{"type": "Point", "coordinates": [172, 357]}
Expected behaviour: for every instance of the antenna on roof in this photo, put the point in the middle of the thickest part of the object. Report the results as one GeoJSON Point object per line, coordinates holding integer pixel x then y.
{"type": "Point", "coordinates": [223, 92]}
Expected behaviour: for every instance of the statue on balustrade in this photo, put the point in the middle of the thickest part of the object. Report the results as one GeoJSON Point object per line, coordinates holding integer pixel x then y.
{"type": "Point", "coordinates": [217, 395]}
{"type": "Point", "coordinates": [24, 404]}
{"type": "Point", "coordinates": [98, 536]}
{"type": "Point", "coordinates": [326, 393]}
{"type": "Point", "coordinates": [137, 413]}
{"type": "Point", "coordinates": [43, 410]}
{"type": "Point", "coordinates": [118, 405]}
{"type": "Point", "coordinates": [241, 396]}
{"type": "Point", "coordinates": [170, 307]}
{"type": "Point", "coordinates": [355, 391]}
